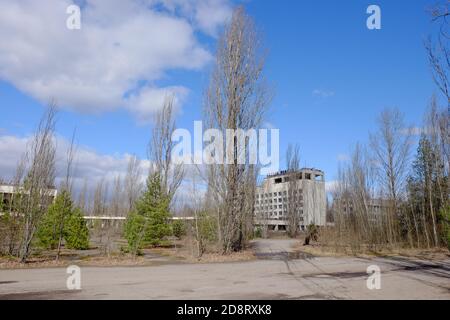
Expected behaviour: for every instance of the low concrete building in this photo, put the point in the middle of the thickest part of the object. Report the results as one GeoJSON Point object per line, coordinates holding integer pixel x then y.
{"type": "Point", "coordinates": [272, 199]}
{"type": "Point", "coordinates": [9, 192]}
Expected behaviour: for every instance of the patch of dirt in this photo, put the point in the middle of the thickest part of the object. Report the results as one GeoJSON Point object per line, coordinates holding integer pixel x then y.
{"type": "Point", "coordinates": [179, 252]}
{"type": "Point", "coordinates": [220, 258]}
{"type": "Point", "coordinates": [284, 255]}
{"type": "Point", "coordinates": [340, 275]}
{"type": "Point", "coordinates": [113, 261]}
{"type": "Point", "coordinates": [8, 263]}
{"type": "Point", "coordinates": [183, 251]}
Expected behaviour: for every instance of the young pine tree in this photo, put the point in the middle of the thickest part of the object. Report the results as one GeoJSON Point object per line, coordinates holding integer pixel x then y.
{"type": "Point", "coordinates": [63, 222]}
{"type": "Point", "coordinates": [148, 224]}
{"type": "Point", "coordinates": [51, 228]}
{"type": "Point", "coordinates": [76, 232]}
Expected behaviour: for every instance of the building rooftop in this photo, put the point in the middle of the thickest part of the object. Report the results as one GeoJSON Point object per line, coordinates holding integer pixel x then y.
{"type": "Point", "coordinates": [284, 172]}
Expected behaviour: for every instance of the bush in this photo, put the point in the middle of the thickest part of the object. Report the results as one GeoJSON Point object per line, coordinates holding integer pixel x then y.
{"type": "Point", "coordinates": [205, 230]}
{"type": "Point", "coordinates": [134, 232]}
{"type": "Point", "coordinates": [311, 234]}
{"type": "Point", "coordinates": [258, 233]}
{"type": "Point", "coordinates": [49, 228]}
{"type": "Point", "coordinates": [76, 231]}
{"type": "Point", "coordinates": [207, 226]}
{"type": "Point", "coordinates": [62, 219]}
{"type": "Point", "coordinates": [178, 229]}
{"type": "Point", "coordinates": [158, 226]}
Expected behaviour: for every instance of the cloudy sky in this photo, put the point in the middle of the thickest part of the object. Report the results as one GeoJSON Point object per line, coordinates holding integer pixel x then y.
{"type": "Point", "coordinates": [332, 75]}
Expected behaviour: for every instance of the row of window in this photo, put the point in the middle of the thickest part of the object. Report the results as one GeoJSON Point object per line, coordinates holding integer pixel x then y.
{"type": "Point", "coordinates": [279, 215]}
{"type": "Point", "coordinates": [274, 194]}
{"type": "Point", "coordinates": [275, 210]}
{"type": "Point", "coordinates": [279, 200]}
{"type": "Point", "coordinates": [275, 206]}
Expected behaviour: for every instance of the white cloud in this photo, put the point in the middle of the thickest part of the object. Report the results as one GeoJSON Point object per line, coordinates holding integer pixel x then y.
{"type": "Point", "coordinates": [211, 14]}
{"type": "Point", "coordinates": [88, 164]}
{"type": "Point", "coordinates": [323, 93]}
{"type": "Point", "coordinates": [121, 45]}
{"type": "Point", "coordinates": [11, 149]}
{"type": "Point", "coordinates": [330, 186]}
{"type": "Point", "coordinates": [93, 167]}
{"type": "Point", "coordinates": [206, 15]}
{"type": "Point", "coordinates": [269, 125]}
{"type": "Point", "coordinates": [150, 99]}
{"type": "Point", "coordinates": [343, 157]}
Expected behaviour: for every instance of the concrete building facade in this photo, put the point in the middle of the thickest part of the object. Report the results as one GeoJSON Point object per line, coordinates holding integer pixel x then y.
{"type": "Point", "coordinates": [272, 199]}
{"type": "Point", "coordinates": [374, 207]}
{"type": "Point", "coordinates": [8, 192]}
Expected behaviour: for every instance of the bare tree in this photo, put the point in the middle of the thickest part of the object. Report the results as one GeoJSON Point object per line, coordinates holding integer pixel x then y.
{"type": "Point", "coordinates": [13, 219]}
{"type": "Point", "coordinates": [440, 11]}
{"type": "Point", "coordinates": [103, 229]}
{"type": "Point", "coordinates": [391, 147]}
{"type": "Point", "coordinates": [438, 54]}
{"type": "Point", "coordinates": [99, 206]}
{"type": "Point", "coordinates": [196, 208]}
{"type": "Point", "coordinates": [117, 197]}
{"type": "Point", "coordinates": [236, 98]}
{"type": "Point", "coordinates": [160, 149]}
{"type": "Point", "coordinates": [439, 59]}
{"type": "Point", "coordinates": [66, 187]}
{"type": "Point", "coordinates": [439, 139]}
{"type": "Point", "coordinates": [82, 197]}
{"type": "Point", "coordinates": [356, 220]}
{"type": "Point", "coordinates": [71, 152]}
{"type": "Point", "coordinates": [39, 178]}
{"type": "Point", "coordinates": [294, 197]}
{"type": "Point", "coordinates": [132, 183]}
{"type": "Point", "coordinates": [262, 216]}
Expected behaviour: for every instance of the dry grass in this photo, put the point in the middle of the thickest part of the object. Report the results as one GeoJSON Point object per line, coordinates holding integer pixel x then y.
{"type": "Point", "coordinates": [246, 255]}
{"type": "Point", "coordinates": [180, 251]}
{"type": "Point", "coordinates": [185, 250]}
{"type": "Point", "coordinates": [366, 251]}
{"type": "Point", "coordinates": [50, 262]}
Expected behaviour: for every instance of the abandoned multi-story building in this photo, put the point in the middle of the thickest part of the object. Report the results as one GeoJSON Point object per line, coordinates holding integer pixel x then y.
{"type": "Point", "coordinates": [373, 207]}
{"type": "Point", "coordinates": [273, 196]}
{"type": "Point", "coordinates": [9, 192]}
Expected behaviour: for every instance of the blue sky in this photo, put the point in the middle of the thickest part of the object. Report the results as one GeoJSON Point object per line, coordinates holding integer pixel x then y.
{"type": "Point", "coordinates": [332, 76]}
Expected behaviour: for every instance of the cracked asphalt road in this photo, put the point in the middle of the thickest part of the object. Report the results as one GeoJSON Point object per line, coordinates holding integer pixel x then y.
{"type": "Point", "coordinates": [279, 273]}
